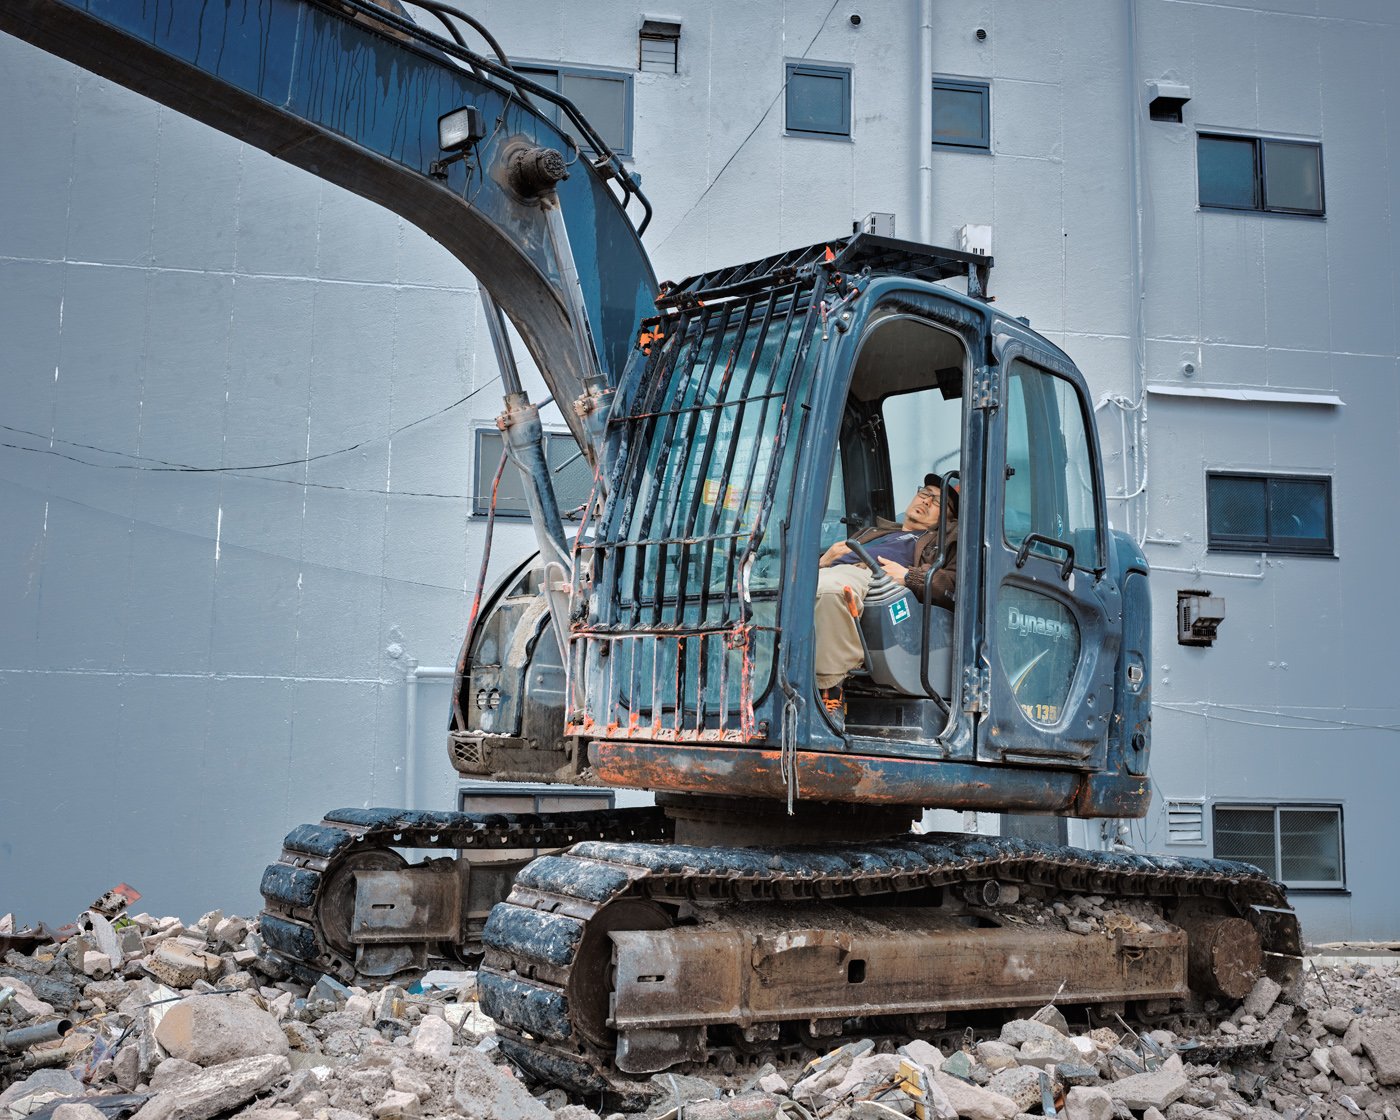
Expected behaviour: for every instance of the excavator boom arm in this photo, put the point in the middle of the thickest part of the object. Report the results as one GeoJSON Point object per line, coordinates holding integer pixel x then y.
{"type": "Point", "coordinates": [353, 94]}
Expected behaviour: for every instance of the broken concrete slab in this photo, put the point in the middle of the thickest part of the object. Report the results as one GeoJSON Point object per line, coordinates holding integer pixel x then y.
{"type": "Point", "coordinates": [58, 1081]}
{"type": "Point", "coordinates": [180, 965]}
{"type": "Point", "coordinates": [217, 1089]}
{"type": "Point", "coordinates": [1346, 1066]}
{"type": "Point", "coordinates": [973, 1102]}
{"type": "Point", "coordinates": [1149, 1090]}
{"type": "Point", "coordinates": [1380, 1039]}
{"type": "Point", "coordinates": [1261, 997]}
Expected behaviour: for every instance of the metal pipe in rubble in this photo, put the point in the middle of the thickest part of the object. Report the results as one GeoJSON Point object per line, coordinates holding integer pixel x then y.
{"type": "Point", "coordinates": [22, 1038]}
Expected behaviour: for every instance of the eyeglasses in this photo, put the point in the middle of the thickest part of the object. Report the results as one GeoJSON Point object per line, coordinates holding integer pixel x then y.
{"type": "Point", "coordinates": [932, 493]}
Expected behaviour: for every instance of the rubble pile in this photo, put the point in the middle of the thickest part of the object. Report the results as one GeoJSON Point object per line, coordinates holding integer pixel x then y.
{"type": "Point", "coordinates": [131, 1015]}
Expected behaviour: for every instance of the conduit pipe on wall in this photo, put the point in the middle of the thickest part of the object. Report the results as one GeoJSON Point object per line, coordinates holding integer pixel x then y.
{"type": "Point", "coordinates": [1138, 390]}
{"type": "Point", "coordinates": [924, 141]}
{"type": "Point", "coordinates": [417, 673]}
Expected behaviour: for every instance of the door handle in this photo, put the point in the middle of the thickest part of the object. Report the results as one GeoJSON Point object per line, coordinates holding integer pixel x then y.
{"type": "Point", "coordinates": [1023, 553]}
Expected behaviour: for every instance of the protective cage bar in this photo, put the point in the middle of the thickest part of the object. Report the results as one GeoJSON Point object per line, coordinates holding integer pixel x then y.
{"type": "Point", "coordinates": [884, 256]}
{"type": "Point", "coordinates": [680, 637]}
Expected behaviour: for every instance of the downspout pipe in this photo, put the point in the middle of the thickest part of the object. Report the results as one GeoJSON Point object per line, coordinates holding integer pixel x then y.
{"type": "Point", "coordinates": [1138, 389]}
{"type": "Point", "coordinates": [924, 140]}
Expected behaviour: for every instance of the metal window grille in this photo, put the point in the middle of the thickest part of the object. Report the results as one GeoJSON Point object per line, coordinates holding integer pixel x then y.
{"type": "Point", "coordinates": [1274, 513]}
{"type": "Point", "coordinates": [1186, 822]}
{"type": "Point", "coordinates": [681, 637]}
{"type": "Point", "coordinates": [1300, 845]}
{"type": "Point", "coordinates": [658, 47]}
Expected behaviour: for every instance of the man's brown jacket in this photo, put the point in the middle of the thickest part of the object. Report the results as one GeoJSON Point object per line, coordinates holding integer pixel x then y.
{"type": "Point", "coordinates": [925, 553]}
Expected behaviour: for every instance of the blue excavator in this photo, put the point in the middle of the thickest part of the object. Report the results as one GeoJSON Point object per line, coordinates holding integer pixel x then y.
{"type": "Point", "coordinates": [778, 898]}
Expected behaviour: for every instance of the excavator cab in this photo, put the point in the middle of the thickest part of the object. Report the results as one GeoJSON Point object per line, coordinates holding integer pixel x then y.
{"type": "Point", "coordinates": [772, 409]}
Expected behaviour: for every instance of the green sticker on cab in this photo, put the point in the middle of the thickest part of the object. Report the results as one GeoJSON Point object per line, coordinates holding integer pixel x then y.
{"type": "Point", "coordinates": [899, 611]}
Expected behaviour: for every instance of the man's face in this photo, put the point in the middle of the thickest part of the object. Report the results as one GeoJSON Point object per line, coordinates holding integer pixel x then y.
{"type": "Point", "coordinates": [922, 513]}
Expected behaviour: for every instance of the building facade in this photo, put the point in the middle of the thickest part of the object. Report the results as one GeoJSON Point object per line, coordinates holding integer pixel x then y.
{"type": "Point", "coordinates": [248, 417]}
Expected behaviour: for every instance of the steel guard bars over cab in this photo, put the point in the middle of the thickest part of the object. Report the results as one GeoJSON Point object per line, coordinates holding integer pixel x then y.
{"type": "Point", "coordinates": [355, 100]}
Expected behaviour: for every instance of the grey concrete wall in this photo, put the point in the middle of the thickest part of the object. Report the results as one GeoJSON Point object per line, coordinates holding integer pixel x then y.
{"type": "Point", "coordinates": [197, 652]}
{"type": "Point", "coordinates": [230, 641]}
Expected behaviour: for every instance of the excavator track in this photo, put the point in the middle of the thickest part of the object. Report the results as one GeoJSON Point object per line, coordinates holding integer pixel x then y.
{"type": "Point", "coordinates": [555, 976]}
{"type": "Point", "coordinates": [309, 893]}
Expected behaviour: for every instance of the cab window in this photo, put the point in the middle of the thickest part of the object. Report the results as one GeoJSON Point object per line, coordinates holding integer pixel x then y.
{"type": "Point", "coordinates": [1050, 476]}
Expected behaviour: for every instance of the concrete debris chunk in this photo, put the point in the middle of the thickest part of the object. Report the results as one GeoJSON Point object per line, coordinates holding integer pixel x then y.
{"type": "Point", "coordinates": [1051, 1016]}
{"type": "Point", "coordinates": [1021, 1085]}
{"type": "Point", "coordinates": [1083, 1103]}
{"type": "Point", "coordinates": [434, 1037]}
{"type": "Point", "coordinates": [482, 1091]}
{"type": "Point", "coordinates": [396, 1105]}
{"type": "Point", "coordinates": [180, 965]}
{"type": "Point", "coordinates": [77, 1110]}
{"type": "Point", "coordinates": [1262, 997]}
{"type": "Point", "coordinates": [212, 1091]}
{"type": "Point", "coordinates": [760, 1106]}
{"type": "Point", "coordinates": [172, 1070]}
{"type": "Point", "coordinates": [972, 1102]}
{"type": "Point", "coordinates": [96, 964]}
{"type": "Point", "coordinates": [58, 1082]}
{"type": "Point", "coordinates": [922, 1053]}
{"type": "Point", "coordinates": [1380, 1039]}
{"type": "Point", "coordinates": [1046, 1052]}
{"type": "Point", "coordinates": [209, 1030]}
{"type": "Point", "coordinates": [1020, 1031]}
{"type": "Point", "coordinates": [996, 1055]}
{"type": "Point", "coordinates": [1149, 1090]}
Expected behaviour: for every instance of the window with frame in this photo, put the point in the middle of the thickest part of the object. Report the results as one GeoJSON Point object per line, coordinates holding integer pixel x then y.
{"type": "Point", "coordinates": [1299, 845]}
{"type": "Point", "coordinates": [1051, 475]}
{"type": "Point", "coordinates": [1269, 513]}
{"type": "Point", "coordinates": [962, 114]}
{"type": "Point", "coordinates": [604, 97]}
{"type": "Point", "coordinates": [818, 99]}
{"type": "Point", "coordinates": [572, 476]}
{"type": "Point", "coordinates": [1259, 173]}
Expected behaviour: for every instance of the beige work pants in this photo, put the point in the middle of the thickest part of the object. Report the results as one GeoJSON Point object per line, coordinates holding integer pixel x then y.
{"type": "Point", "coordinates": [838, 648]}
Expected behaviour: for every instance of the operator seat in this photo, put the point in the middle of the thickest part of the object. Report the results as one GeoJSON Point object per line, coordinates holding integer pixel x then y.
{"type": "Point", "coordinates": [891, 629]}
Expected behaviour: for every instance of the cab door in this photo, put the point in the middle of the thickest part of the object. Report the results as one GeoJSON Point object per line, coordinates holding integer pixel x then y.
{"type": "Point", "coordinates": [1051, 614]}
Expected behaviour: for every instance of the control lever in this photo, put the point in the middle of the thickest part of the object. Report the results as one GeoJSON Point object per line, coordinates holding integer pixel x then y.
{"type": "Point", "coordinates": [881, 583]}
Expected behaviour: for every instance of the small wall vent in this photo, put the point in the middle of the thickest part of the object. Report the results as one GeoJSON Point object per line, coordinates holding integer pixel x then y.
{"type": "Point", "coordinates": [658, 47]}
{"type": "Point", "coordinates": [1186, 822]}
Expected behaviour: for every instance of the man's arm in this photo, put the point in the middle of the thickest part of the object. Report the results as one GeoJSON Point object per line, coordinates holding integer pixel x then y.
{"type": "Point", "coordinates": [944, 580]}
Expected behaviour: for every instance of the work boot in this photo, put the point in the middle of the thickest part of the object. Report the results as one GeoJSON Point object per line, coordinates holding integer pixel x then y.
{"type": "Point", "coordinates": [834, 701]}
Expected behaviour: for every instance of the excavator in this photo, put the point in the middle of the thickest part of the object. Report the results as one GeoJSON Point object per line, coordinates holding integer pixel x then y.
{"type": "Point", "coordinates": [778, 898]}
